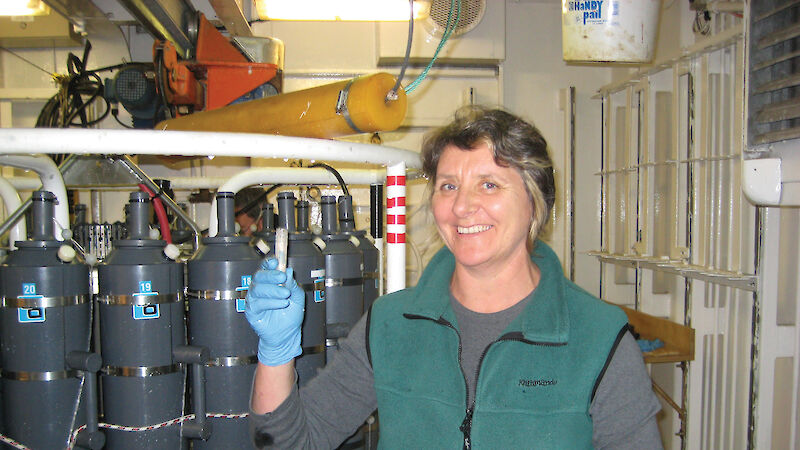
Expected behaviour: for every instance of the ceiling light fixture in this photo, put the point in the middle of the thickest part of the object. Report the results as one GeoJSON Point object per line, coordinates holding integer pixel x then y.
{"type": "Point", "coordinates": [23, 8]}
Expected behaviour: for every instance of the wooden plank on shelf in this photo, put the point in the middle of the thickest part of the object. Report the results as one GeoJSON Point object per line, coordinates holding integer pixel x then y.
{"type": "Point", "coordinates": [678, 339]}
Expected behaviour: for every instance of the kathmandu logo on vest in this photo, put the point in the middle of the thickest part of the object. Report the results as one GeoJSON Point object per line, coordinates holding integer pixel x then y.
{"type": "Point", "coordinates": [535, 383]}
{"type": "Point", "coordinates": [592, 9]}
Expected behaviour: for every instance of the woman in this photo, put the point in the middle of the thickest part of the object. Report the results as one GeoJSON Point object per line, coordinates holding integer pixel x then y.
{"type": "Point", "coordinates": [493, 348]}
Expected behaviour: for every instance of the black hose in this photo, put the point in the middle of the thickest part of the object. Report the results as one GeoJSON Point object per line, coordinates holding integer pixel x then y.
{"type": "Point", "coordinates": [161, 86]}
{"type": "Point", "coordinates": [335, 173]}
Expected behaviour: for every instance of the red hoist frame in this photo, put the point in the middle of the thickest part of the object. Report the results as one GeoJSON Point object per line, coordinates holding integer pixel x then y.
{"type": "Point", "coordinates": [218, 75]}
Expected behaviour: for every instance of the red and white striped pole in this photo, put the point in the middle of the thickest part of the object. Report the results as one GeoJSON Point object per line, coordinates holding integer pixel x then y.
{"type": "Point", "coordinates": [395, 227]}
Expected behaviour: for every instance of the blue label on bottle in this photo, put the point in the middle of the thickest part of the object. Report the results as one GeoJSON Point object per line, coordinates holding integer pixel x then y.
{"type": "Point", "coordinates": [29, 291]}
{"type": "Point", "coordinates": [30, 315]}
{"type": "Point", "coordinates": [246, 280]}
{"type": "Point", "coordinates": [144, 312]}
{"type": "Point", "coordinates": [319, 289]}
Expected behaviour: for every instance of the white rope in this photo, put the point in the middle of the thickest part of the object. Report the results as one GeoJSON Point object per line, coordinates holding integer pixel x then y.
{"type": "Point", "coordinates": [168, 423]}
{"type": "Point", "coordinates": [13, 443]}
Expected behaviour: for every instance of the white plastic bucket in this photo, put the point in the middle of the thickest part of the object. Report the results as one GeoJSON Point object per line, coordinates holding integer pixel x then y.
{"type": "Point", "coordinates": [609, 30]}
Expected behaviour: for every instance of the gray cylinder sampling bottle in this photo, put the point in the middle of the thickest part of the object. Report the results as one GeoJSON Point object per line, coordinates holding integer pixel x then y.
{"type": "Point", "coordinates": [365, 244]}
{"type": "Point", "coordinates": [305, 258]}
{"type": "Point", "coordinates": [218, 279]}
{"type": "Point", "coordinates": [344, 284]}
{"type": "Point", "coordinates": [141, 309]}
{"type": "Point", "coordinates": [266, 234]}
{"type": "Point", "coordinates": [45, 316]}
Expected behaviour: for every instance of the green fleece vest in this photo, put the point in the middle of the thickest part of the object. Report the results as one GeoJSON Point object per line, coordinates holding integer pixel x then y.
{"type": "Point", "coordinates": [535, 383]}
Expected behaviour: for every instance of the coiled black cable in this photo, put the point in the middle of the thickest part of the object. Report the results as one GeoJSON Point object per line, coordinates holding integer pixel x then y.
{"type": "Point", "coordinates": [68, 105]}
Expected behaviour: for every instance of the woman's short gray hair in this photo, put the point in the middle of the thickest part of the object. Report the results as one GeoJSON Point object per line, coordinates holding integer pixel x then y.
{"type": "Point", "coordinates": [514, 142]}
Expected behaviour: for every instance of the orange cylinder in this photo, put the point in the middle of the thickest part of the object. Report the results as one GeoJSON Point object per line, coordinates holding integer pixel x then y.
{"type": "Point", "coordinates": [339, 109]}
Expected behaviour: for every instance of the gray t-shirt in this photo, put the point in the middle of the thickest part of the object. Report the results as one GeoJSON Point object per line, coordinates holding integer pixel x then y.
{"type": "Point", "coordinates": [333, 405]}
{"type": "Point", "coordinates": [477, 331]}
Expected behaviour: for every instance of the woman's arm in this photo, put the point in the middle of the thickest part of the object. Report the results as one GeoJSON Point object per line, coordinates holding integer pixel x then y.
{"type": "Point", "coordinates": [624, 406]}
{"type": "Point", "coordinates": [271, 387]}
{"type": "Point", "coordinates": [327, 409]}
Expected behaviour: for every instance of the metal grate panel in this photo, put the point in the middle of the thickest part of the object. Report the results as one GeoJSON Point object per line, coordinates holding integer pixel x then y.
{"type": "Point", "coordinates": [774, 72]}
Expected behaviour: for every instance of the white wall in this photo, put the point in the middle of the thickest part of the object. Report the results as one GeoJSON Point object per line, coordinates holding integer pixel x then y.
{"type": "Point", "coordinates": [533, 74]}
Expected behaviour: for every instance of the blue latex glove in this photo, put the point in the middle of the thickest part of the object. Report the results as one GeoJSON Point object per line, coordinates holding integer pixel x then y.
{"type": "Point", "coordinates": [276, 313]}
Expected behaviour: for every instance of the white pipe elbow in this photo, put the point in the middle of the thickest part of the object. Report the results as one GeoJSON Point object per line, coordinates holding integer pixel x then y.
{"type": "Point", "coordinates": [51, 181]}
{"type": "Point", "coordinates": [286, 175]}
{"type": "Point", "coordinates": [12, 202]}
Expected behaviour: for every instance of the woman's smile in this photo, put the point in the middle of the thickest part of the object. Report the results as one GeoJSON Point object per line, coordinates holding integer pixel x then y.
{"type": "Point", "coordinates": [473, 229]}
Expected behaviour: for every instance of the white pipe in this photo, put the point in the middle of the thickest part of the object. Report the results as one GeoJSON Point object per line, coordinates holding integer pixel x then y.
{"type": "Point", "coordinates": [177, 183]}
{"type": "Point", "coordinates": [24, 183]}
{"type": "Point", "coordinates": [51, 181]}
{"type": "Point", "coordinates": [196, 143]}
{"type": "Point", "coordinates": [381, 252]}
{"type": "Point", "coordinates": [722, 6]}
{"type": "Point", "coordinates": [284, 175]}
{"type": "Point", "coordinates": [395, 227]}
{"type": "Point", "coordinates": [289, 175]}
{"type": "Point", "coordinates": [192, 183]}
{"type": "Point", "coordinates": [12, 201]}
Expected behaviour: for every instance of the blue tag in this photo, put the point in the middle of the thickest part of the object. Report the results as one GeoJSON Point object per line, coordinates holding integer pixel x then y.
{"type": "Point", "coordinates": [29, 291]}
{"type": "Point", "coordinates": [28, 288]}
{"type": "Point", "coordinates": [30, 315]}
{"type": "Point", "coordinates": [246, 280]}
{"type": "Point", "coordinates": [319, 290]}
{"type": "Point", "coordinates": [240, 305]}
{"type": "Point", "coordinates": [144, 312]}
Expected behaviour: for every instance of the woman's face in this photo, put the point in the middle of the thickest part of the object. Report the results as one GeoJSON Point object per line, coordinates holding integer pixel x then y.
{"type": "Point", "coordinates": [482, 210]}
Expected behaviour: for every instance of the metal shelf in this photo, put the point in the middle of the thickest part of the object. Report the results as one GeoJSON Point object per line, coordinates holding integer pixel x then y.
{"type": "Point", "coordinates": [736, 280]}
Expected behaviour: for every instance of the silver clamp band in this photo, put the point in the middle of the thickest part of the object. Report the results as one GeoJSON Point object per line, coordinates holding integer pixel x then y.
{"type": "Point", "coordinates": [139, 299]}
{"type": "Point", "coordinates": [217, 295]}
{"type": "Point", "coordinates": [44, 302]}
{"type": "Point", "coordinates": [313, 350]}
{"type": "Point", "coordinates": [317, 286]}
{"type": "Point", "coordinates": [230, 361]}
{"type": "Point", "coordinates": [341, 107]}
{"type": "Point", "coordinates": [40, 376]}
{"type": "Point", "coordinates": [141, 371]}
{"type": "Point", "coordinates": [336, 282]}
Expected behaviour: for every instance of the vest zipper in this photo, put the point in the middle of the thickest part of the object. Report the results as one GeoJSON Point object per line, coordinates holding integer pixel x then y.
{"type": "Point", "coordinates": [517, 336]}
{"type": "Point", "coordinates": [466, 424]}
{"type": "Point", "coordinates": [466, 428]}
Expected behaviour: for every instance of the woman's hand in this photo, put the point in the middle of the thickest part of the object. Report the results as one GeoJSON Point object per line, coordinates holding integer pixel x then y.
{"type": "Point", "coordinates": [275, 307]}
